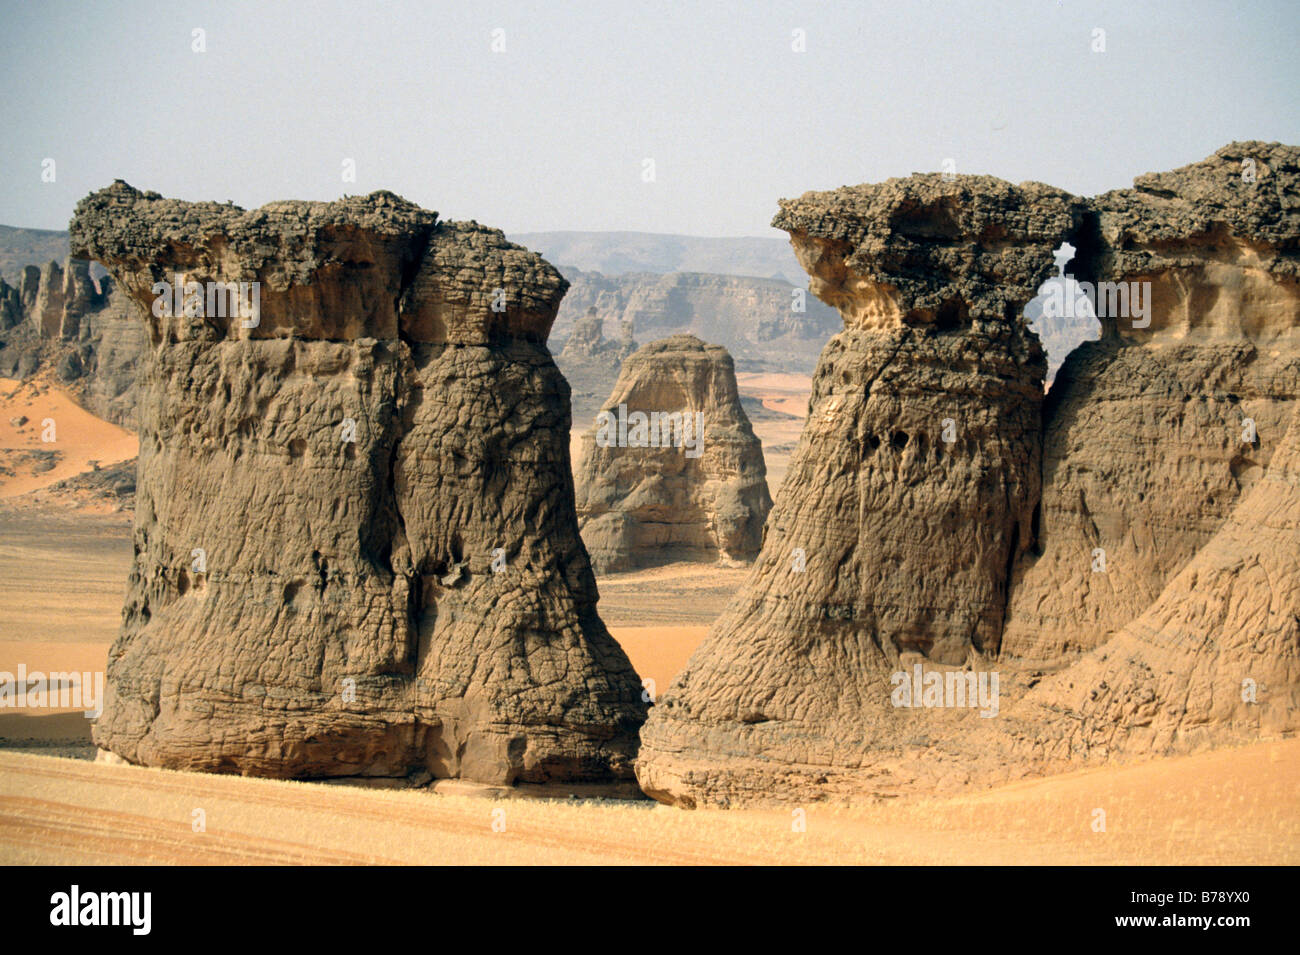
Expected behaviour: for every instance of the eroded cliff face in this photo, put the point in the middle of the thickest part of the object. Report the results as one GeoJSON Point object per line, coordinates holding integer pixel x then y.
{"type": "Point", "coordinates": [1160, 450]}
{"type": "Point", "coordinates": [1214, 659]}
{"type": "Point", "coordinates": [694, 489]}
{"type": "Point", "coordinates": [1154, 433]}
{"type": "Point", "coordinates": [356, 550]}
{"type": "Point", "coordinates": [911, 492]}
{"type": "Point", "coordinates": [764, 323]}
{"type": "Point", "coordinates": [58, 318]}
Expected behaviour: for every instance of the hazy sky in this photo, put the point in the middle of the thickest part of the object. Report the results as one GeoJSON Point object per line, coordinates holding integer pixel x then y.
{"type": "Point", "coordinates": [552, 133]}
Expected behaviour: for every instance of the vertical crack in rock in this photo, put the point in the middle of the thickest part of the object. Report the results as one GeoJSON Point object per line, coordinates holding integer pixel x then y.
{"type": "Point", "coordinates": [356, 545]}
{"type": "Point", "coordinates": [892, 533]}
{"type": "Point", "coordinates": [1178, 428]}
{"type": "Point", "coordinates": [1147, 424]}
{"type": "Point", "coordinates": [1214, 660]}
{"type": "Point", "coordinates": [689, 481]}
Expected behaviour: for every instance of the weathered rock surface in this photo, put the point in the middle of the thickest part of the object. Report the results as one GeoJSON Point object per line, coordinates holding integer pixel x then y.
{"type": "Point", "coordinates": [356, 550]}
{"type": "Point", "coordinates": [591, 363]}
{"type": "Point", "coordinates": [1153, 434]}
{"type": "Point", "coordinates": [59, 318]}
{"type": "Point", "coordinates": [910, 555]}
{"type": "Point", "coordinates": [1214, 659]}
{"type": "Point", "coordinates": [703, 498]}
{"type": "Point", "coordinates": [911, 491]}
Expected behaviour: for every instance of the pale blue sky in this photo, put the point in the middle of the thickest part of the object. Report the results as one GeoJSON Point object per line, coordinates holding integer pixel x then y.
{"type": "Point", "coordinates": [552, 133]}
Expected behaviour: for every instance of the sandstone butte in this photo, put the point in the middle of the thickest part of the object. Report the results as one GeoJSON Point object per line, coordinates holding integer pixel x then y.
{"type": "Point", "coordinates": [648, 505]}
{"type": "Point", "coordinates": [1124, 555]}
{"type": "Point", "coordinates": [356, 550]}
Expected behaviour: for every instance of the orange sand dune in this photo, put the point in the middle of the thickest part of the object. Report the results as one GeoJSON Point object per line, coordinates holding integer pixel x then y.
{"type": "Point", "coordinates": [79, 437]}
{"type": "Point", "coordinates": [779, 391]}
{"type": "Point", "coordinates": [787, 393]}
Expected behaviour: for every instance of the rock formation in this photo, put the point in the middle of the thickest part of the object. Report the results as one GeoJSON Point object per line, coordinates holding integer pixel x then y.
{"type": "Point", "coordinates": [894, 545]}
{"type": "Point", "coordinates": [356, 549]}
{"type": "Point", "coordinates": [911, 491]}
{"type": "Point", "coordinates": [591, 363]}
{"type": "Point", "coordinates": [58, 318]}
{"type": "Point", "coordinates": [765, 324]}
{"type": "Point", "coordinates": [1214, 659]}
{"type": "Point", "coordinates": [1155, 432]}
{"type": "Point", "coordinates": [671, 492]}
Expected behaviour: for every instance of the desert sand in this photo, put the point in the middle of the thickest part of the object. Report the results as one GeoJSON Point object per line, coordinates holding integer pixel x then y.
{"type": "Point", "coordinates": [1239, 806]}
{"type": "Point", "coordinates": [1229, 807]}
{"type": "Point", "coordinates": [62, 575]}
{"type": "Point", "coordinates": [80, 440]}
{"type": "Point", "coordinates": [785, 393]}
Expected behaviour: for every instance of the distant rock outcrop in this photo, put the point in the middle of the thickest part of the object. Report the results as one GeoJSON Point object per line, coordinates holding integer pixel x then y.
{"type": "Point", "coordinates": [615, 253]}
{"type": "Point", "coordinates": [765, 324]}
{"type": "Point", "coordinates": [591, 363]}
{"type": "Point", "coordinates": [59, 318]}
{"type": "Point", "coordinates": [910, 535]}
{"type": "Point", "coordinates": [356, 549]}
{"type": "Point", "coordinates": [20, 248]}
{"type": "Point", "coordinates": [672, 469]}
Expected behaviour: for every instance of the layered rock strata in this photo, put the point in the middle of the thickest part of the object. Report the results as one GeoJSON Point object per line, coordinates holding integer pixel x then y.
{"type": "Point", "coordinates": [910, 494]}
{"type": "Point", "coordinates": [766, 324]}
{"type": "Point", "coordinates": [356, 550]}
{"type": "Point", "coordinates": [672, 469]}
{"type": "Point", "coordinates": [59, 318]}
{"type": "Point", "coordinates": [1166, 511]}
{"type": "Point", "coordinates": [1154, 433]}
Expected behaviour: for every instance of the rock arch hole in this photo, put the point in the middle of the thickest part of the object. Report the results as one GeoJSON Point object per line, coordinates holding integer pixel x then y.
{"type": "Point", "coordinates": [1061, 315]}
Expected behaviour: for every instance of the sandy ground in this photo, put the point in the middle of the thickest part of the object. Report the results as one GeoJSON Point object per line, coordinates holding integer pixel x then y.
{"type": "Point", "coordinates": [62, 575]}
{"type": "Point", "coordinates": [673, 594]}
{"type": "Point", "coordinates": [62, 578]}
{"type": "Point", "coordinates": [53, 724]}
{"type": "Point", "coordinates": [659, 653]}
{"type": "Point", "coordinates": [787, 394]}
{"type": "Point", "coordinates": [79, 438]}
{"type": "Point", "coordinates": [1231, 807]}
